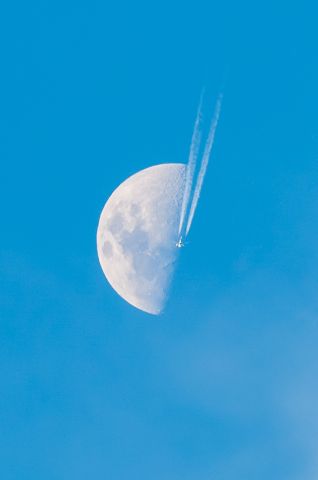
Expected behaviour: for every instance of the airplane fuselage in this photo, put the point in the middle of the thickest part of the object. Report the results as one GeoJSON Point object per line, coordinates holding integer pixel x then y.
{"type": "Point", "coordinates": [180, 243]}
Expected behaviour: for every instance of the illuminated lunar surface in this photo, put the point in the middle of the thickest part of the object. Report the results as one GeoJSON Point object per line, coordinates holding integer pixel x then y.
{"type": "Point", "coordinates": [137, 235]}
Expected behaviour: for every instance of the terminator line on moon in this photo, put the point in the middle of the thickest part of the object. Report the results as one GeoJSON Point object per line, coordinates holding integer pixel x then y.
{"type": "Point", "coordinates": [146, 220]}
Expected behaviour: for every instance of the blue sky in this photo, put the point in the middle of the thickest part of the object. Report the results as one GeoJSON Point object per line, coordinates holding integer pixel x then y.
{"type": "Point", "coordinates": [224, 384]}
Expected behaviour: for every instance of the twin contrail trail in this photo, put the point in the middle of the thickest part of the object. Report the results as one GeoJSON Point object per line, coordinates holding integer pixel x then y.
{"type": "Point", "coordinates": [193, 155]}
{"type": "Point", "coordinates": [187, 215]}
{"type": "Point", "coordinates": [205, 161]}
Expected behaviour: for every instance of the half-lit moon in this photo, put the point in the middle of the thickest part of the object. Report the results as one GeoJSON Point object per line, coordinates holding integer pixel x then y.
{"type": "Point", "coordinates": [137, 234]}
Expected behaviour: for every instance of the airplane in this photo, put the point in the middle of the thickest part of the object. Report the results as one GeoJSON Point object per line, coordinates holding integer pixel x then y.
{"type": "Point", "coordinates": [180, 243]}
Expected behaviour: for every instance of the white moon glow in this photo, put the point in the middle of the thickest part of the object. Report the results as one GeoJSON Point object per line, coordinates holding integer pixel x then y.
{"type": "Point", "coordinates": [137, 234]}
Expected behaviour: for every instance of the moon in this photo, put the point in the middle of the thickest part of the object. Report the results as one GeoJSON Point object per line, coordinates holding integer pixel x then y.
{"type": "Point", "coordinates": [137, 235]}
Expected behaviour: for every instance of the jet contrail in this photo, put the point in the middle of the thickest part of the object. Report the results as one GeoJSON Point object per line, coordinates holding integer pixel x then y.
{"type": "Point", "coordinates": [193, 155]}
{"type": "Point", "coordinates": [204, 163]}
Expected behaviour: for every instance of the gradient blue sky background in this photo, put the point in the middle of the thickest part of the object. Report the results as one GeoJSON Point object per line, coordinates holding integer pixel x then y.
{"type": "Point", "coordinates": [224, 385]}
